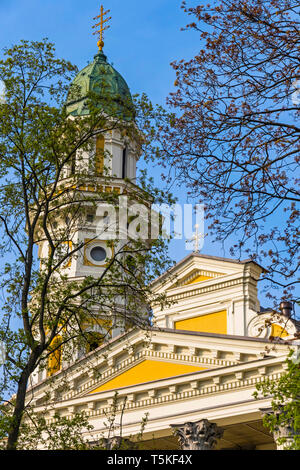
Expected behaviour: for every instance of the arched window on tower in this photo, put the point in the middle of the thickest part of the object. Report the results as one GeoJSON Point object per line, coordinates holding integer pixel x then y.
{"type": "Point", "coordinates": [94, 339]}
{"type": "Point", "coordinates": [72, 165]}
{"type": "Point", "coordinates": [54, 359]}
{"type": "Point", "coordinates": [62, 250]}
{"type": "Point", "coordinates": [124, 163]}
{"type": "Point", "coordinates": [96, 332]}
{"type": "Point", "coordinates": [99, 160]}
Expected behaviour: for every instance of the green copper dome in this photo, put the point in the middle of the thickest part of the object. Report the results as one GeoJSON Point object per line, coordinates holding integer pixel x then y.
{"type": "Point", "coordinates": [100, 82]}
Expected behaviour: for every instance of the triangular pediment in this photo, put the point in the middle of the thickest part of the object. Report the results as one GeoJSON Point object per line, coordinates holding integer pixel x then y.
{"type": "Point", "coordinates": [171, 357]}
{"type": "Point", "coordinates": [147, 370]}
{"type": "Point", "coordinates": [197, 275]}
{"type": "Point", "coordinates": [197, 268]}
{"type": "Point", "coordinates": [172, 354]}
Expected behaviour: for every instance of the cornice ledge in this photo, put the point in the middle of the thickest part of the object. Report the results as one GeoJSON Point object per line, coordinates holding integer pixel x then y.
{"type": "Point", "coordinates": [194, 289]}
{"type": "Point", "coordinates": [179, 396]}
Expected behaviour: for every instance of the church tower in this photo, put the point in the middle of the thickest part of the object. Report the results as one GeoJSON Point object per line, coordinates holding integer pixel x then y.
{"type": "Point", "coordinates": [102, 174]}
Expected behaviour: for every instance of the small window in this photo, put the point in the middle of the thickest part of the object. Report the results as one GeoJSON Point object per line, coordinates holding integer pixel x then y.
{"type": "Point", "coordinates": [73, 166]}
{"type": "Point", "coordinates": [54, 359]}
{"type": "Point", "coordinates": [90, 218]}
{"type": "Point", "coordinates": [62, 249]}
{"type": "Point", "coordinates": [99, 162]}
{"type": "Point", "coordinates": [124, 163]}
{"type": "Point", "coordinates": [131, 263]}
{"type": "Point", "coordinates": [94, 340]}
{"type": "Point", "coordinates": [98, 253]}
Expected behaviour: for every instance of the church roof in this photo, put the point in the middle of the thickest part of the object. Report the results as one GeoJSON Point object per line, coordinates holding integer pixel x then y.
{"type": "Point", "coordinates": [103, 84]}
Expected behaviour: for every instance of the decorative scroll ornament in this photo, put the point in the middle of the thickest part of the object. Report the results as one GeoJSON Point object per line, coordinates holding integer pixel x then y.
{"type": "Point", "coordinates": [261, 325]}
{"type": "Point", "coordinates": [201, 435]}
{"type": "Point", "coordinates": [117, 443]}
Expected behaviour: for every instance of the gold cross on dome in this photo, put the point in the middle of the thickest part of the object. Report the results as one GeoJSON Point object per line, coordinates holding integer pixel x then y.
{"type": "Point", "coordinates": [102, 25]}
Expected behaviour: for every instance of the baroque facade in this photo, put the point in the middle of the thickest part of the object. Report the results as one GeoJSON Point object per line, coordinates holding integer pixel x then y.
{"type": "Point", "coordinates": [198, 366]}
{"type": "Point", "coordinates": [195, 370]}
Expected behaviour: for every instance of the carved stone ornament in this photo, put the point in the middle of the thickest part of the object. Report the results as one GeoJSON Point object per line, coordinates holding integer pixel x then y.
{"type": "Point", "coordinates": [201, 435]}
{"type": "Point", "coordinates": [117, 442]}
{"type": "Point", "coordinates": [284, 437]}
{"type": "Point", "coordinates": [261, 325]}
{"type": "Point", "coordinates": [111, 442]}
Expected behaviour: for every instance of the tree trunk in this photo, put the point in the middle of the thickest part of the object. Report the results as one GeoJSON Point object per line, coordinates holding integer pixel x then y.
{"type": "Point", "coordinates": [14, 428]}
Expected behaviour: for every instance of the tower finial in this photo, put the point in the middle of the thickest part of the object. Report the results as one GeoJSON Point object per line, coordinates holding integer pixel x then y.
{"type": "Point", "coordinates": [195, 241]}
{"type": "Point", "coordinates": [102, 25]}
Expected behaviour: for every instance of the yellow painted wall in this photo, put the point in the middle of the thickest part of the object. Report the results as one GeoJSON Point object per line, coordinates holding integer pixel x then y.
{"type": "Point", "coordinates": [211, 323]}
{"type": "Point", "coordinates": [278, 331]}
{"type": "Point", "coordinates": [147, 371]}
{"type": "Point", "coordinates": [199, 279]}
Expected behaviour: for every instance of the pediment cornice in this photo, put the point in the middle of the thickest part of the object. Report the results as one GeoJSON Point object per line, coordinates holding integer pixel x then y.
{"type": "Point", "coordinates": [204, 350]}
{"type": "Point", "coordinates": [184, 291]}
{"type": "Point", "coordinates": [184, 388]}
{"type": "Point", "coordinates": [215, 266]}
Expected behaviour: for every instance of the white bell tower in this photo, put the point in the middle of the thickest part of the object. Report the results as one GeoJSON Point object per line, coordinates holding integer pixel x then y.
{"type": "Point", "coordinates": [99, 176]}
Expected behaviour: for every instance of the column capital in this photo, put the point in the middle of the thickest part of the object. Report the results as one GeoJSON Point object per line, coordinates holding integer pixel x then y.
{"type": "Point", "coordinates": [200, 435]}
{"type": "Point", "coordinates": [283, 432]}
{"type": "Point", "coordinates": [117, 443]}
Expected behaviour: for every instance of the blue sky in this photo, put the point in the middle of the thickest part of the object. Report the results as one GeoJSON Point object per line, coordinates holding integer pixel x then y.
{"type": "Point", "coordinates": [143, 39]}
